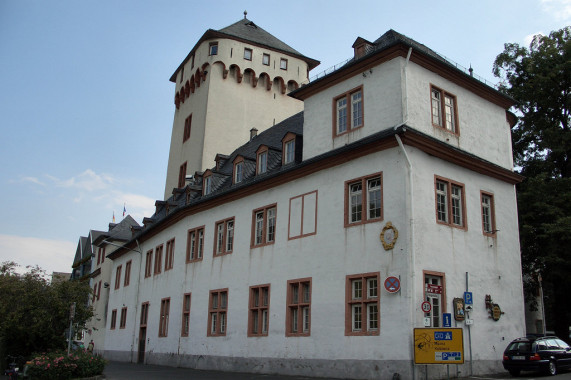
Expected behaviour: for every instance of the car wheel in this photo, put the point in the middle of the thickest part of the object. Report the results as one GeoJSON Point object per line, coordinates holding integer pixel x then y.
{"type": "Point", "coordinates": [514, 372]}
{"type": "Point", "coordinates": [552, 369]}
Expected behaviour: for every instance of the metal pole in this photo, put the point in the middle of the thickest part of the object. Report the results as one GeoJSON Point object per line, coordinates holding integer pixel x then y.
{"type": "Point", "coordinates": [542, 304]}
{"type": "Point", "coordinates": [469, 334]}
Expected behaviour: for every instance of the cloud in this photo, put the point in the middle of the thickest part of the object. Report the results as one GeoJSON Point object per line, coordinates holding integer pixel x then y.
{"type": "Point", "coordinates": [33, 180]}
{"type": "Point", "coordinates": [560, 10]}
{"type": "Point", "coordinates": [87, 181]}
{"type": "Point", "coordinates": [50, 255]}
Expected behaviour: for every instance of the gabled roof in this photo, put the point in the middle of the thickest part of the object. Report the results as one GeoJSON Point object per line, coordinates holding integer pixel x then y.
{"type": "Point", "coordinates": [120, 231]}
{"type": "Point", "coordinates": [246, 31]}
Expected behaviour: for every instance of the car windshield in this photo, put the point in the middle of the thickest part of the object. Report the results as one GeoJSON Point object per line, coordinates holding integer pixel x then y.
{"type": "Point", "coordinates": [519, 347]}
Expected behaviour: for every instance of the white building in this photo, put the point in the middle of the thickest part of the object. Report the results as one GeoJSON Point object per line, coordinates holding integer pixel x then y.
{"type": "Point", "coordinates": [275, 259]}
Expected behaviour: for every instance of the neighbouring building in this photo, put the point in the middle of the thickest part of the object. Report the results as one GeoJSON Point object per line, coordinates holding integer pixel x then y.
{"type": "Point", "coordinates": [280, 257]}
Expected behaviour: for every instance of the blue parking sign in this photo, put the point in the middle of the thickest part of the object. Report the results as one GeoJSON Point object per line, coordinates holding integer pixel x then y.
{"type": "Point", "coordinates": [446, 320]}
{"type": "Point", "coordinates": [468, 298]}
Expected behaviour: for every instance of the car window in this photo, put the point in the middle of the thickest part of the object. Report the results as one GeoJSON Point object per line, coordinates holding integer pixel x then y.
{"type": "Point", "coordinates": [552, 344]}
{"type": "Point", "coordinates": [519, 346]}
{"type": "Point", "coordinates": [540, 346]}
{"type": "Point", "coordinates": [562, 344]}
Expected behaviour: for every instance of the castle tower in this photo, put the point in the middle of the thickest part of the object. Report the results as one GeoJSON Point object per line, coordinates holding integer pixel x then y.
{"type": "Point", "coordinates": [233, 80]}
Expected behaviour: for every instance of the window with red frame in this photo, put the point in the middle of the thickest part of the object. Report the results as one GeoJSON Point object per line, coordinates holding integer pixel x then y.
{"type": "Point", "coordinates": [362, 304]}
{"type": "Point", "coordinates": [195, 244]}
{"type": "Point", "coordinates": [258, 317]}
{"type": "Point", "coordinates": [182, 175]}
{"type": "Point", "coordinates": [118, 277]}
{"type": "Point", "coordinates": [298, 317]}
{"type": "Point", "coordinates": [348, 111]}
{"type": "Point", "coordinates": [224, 237]}
{"type": "Point", "coordinates": [164, 317]}
{"type": "Point", "coordinates": [364, 200]}
{"type": "Point", "coordinates": [149, 263]}
{"type": "Point", "coordinates": [113, 318]}
{"type": "Point", "coordinates": [264, 226]}
{"type": "Point", "coordinates": [187, 127]}
{"type": "Point", "coordinates": [123, 320]}
{"type": "Point", "coordinates": [217, 312]}
{"type": "Point", "coordinates": [127, 273]}
{"type": "Point", "coordinates": [169, 256]}
{"type": "Point", "coordinates": [158, 259]}
{"type": "Point", "coordinates": [185, 314]}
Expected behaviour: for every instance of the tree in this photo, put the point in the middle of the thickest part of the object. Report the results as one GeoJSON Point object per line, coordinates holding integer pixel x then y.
{"type": "Point", "coordinates": [34, 313]}
{"type": "Point", "coordinates": [539, 80]}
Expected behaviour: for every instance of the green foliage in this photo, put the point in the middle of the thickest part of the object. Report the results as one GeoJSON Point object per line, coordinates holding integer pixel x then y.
{"type": "Point", "coordinates": [59, 365]}
{"type": "Point", "coordinates": [35, 313]}
{"type": "Point", "coordinates": [539, 80]}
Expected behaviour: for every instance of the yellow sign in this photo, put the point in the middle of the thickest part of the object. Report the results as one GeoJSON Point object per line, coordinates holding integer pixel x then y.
{"type": "Point", "coordinates": [438, 346]}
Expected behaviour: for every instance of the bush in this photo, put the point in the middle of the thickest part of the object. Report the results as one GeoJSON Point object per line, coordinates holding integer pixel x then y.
{"type": "Point", "coordinates": [59, 365]}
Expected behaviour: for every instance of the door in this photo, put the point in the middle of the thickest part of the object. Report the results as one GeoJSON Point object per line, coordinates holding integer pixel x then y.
{"type": "Point", "coordinates": [142, 343]}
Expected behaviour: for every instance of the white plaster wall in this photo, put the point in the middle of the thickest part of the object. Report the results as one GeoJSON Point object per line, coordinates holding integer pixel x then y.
{"type": "Point", "coordinates": [484, 130]}
{"type": "Point", "coordinates": [97, 324]}
{"type": "Point", "coordinates": [327, 257]}
{"type": "Point", "coordinates": [382, 102]}
{"type": "Point", "coordinates": [493, 264]}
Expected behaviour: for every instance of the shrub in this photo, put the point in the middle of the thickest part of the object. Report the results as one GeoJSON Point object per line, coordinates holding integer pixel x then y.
{"type": "Point", "coordinates": [59, 365]}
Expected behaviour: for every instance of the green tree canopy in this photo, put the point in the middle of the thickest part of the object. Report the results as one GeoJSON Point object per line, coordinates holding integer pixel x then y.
{"type": "Point", "coordinates": [539, 80]}
{"type": "Point", "coordinates": [34, 312]}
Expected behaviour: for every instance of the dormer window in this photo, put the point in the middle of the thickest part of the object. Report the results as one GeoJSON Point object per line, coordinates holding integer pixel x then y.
{"type": "Point", "coordinates": [213, 49]}
{"type": "Point", "coordinates": [262, 160]}
{"type": "Point", "coordinates": [238, 170]}
{"type": "Point", "coordinates": [207, 185]}
{"type": "Point", "coordinates": [288, 150]}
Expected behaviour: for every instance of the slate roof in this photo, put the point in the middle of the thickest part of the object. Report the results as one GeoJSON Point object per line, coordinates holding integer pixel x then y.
{"type": "Point", "coordinates": [222, 177]}
{"type": "Point", "coordinates": [118, 231]}
{"type": "Point", "coordinates": [247, 31]}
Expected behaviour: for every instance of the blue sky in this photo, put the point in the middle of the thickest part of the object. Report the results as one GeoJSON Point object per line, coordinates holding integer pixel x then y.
{"type": "Point", "coordinates": [86, 106]}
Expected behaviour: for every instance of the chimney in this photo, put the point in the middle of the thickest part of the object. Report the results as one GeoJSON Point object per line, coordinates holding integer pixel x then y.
{"type": "Point", "coordinates": [253, 133]}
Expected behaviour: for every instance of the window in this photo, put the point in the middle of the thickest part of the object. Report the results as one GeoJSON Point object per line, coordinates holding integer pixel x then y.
{"type": "Point", "coordinates": [443, 106]}
{"type": "Point", "coordinates": [182, 175]}
{"type": "Point", "coordinates": [181, 74]}
{"type": "Point", "coordinates": [207, 186]}
{"type": "Point", "coordinates": [123, 320]}
{"type": "Point", "coordinates": [266, 59]}
{"type": "Point", "coordinates": [488, 214]}
{"type": "Point", "coordinates": [195, 244]}
{"type": "Point", "coordinates": [288, 148]}
{"type": "Point", "coordinates": [94, 293]}
{"type": "Point", "coordinates": [169, 257]}
{"type": "Point", "coordinates": [113, 318]}
{"type": "Point", "coordinates": [149, 263]}
{"type": "Point", "coordinates": [303, 215]}
{"type": "Point", "coordinates": [283, 64]}
{"type": "Point", "coordinates": [99, 290]}
{"type": "Point", "coordinates": [262, 161]}
{"type": "Point", "coordinates": [224, 239]}
{"type": "Point", "coordinates": [258, 319]}
{"type": "Point", "coordinates": [192, 62]}
{"type": "Point", "coordinates": [185, 315]}
{"type": "Point", "coordinates": [364, 200]}
{"type": "Point", "coordinates": [118, 277]}
{"type": "Point", "coordinates": [100, 255]}
{"type": "Point", "coordinates": [187, 125]}
{"type": "Point", "coordinates": [362, 307]}
{"type": "Point", "coordinates": [213, 49]}
{"type": "Point", "coordinates": [348, 111]}
{"type": "Point", "coordinates": [264, 226]}
{"type": "Point", "coordinates": [217, 312]}
{"type": "Point", "coordinates": [127, 273]}
{"type": "Point", "coordinates": [247, 54]}
{"type": "Point", "coordinates": [298, 317]}
{"type": "Point", "coordinates": [450, 203]}
{"type": "Point", "coordinates": [435, 294]}
{"type": "Point", "coordinates": [164, 317]}
{"type": "Point", "coordinates": [144, 313]}
{"type": "Point", "coordinates": [239, 170]}
{"type": "Point", "coordinates": [158, 259]}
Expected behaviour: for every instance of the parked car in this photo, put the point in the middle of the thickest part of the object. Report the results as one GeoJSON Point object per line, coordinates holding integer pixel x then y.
{"type": "Point", "coordinates": [532, 353]}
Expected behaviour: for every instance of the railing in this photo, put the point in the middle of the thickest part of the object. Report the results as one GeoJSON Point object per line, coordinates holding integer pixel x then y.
{"type": "Point", "coordinates": [449, 61]}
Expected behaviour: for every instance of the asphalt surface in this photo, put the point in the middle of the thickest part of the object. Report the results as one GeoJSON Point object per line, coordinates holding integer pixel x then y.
{"type": "Point", "coordinates": [132, 371]}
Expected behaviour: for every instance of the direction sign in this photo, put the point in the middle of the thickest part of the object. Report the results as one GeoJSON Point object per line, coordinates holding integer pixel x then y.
{"type": "Point", "coordinates": [426, 307]}
{"type": "Point", "coordinates": [447, 320]}
{"type": "Point", "coordinates": [438, 346]}
{"type": "Point", "coordinates": [392, 284]}
{"type": "Point", "coordinates": [467, 298]}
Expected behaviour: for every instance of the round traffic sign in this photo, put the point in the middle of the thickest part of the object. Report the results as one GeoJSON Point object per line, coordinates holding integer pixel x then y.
{"type": "Point", "coordinates": [426, 307]}
{"type": "Point", "coordinates": [392, 284]}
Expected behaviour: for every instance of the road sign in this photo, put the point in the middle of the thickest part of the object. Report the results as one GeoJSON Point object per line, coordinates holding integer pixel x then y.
{"type": "Point", "coordinates": [434, 289]}
{"type": "Point", "coordinates": [447, 320]}
{"type": "Point", "coordinates": [468, 298]}
{"type": "Point", "coordinates": [426, 307]}
{"type": "Point", "coordinates": [438, 346]}
{"type": "Point", "coordinates": [392, 284]}
{"type": "Point", "coordinates": [426, 321]}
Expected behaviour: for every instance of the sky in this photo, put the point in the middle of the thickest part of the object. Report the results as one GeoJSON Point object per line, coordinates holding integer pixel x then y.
{"type": "Point", "coordinates": [86, 105]}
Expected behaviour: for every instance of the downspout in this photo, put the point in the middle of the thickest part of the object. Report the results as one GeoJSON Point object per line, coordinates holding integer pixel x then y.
{"type": "Point", "coordinates": [410, 200]}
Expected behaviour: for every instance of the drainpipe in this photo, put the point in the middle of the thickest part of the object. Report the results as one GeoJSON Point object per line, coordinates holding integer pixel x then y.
{"type": "Point", "coordinates": [410, 200]}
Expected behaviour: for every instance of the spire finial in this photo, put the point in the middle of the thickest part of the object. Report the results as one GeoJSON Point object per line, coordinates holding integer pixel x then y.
{"type": "Point", "coordinates": [245, 14]}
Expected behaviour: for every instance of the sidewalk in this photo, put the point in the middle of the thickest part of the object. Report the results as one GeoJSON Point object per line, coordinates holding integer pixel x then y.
{"type": "Point", "coordinates": [130, 371]}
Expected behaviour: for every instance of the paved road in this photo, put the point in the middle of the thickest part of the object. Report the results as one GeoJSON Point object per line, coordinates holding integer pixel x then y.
{"type": "Point", "coordinates": [130, 371]}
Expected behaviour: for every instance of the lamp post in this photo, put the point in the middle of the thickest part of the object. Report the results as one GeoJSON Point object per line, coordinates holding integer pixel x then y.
{"type": "Point", "coordinates": [542, 303]}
